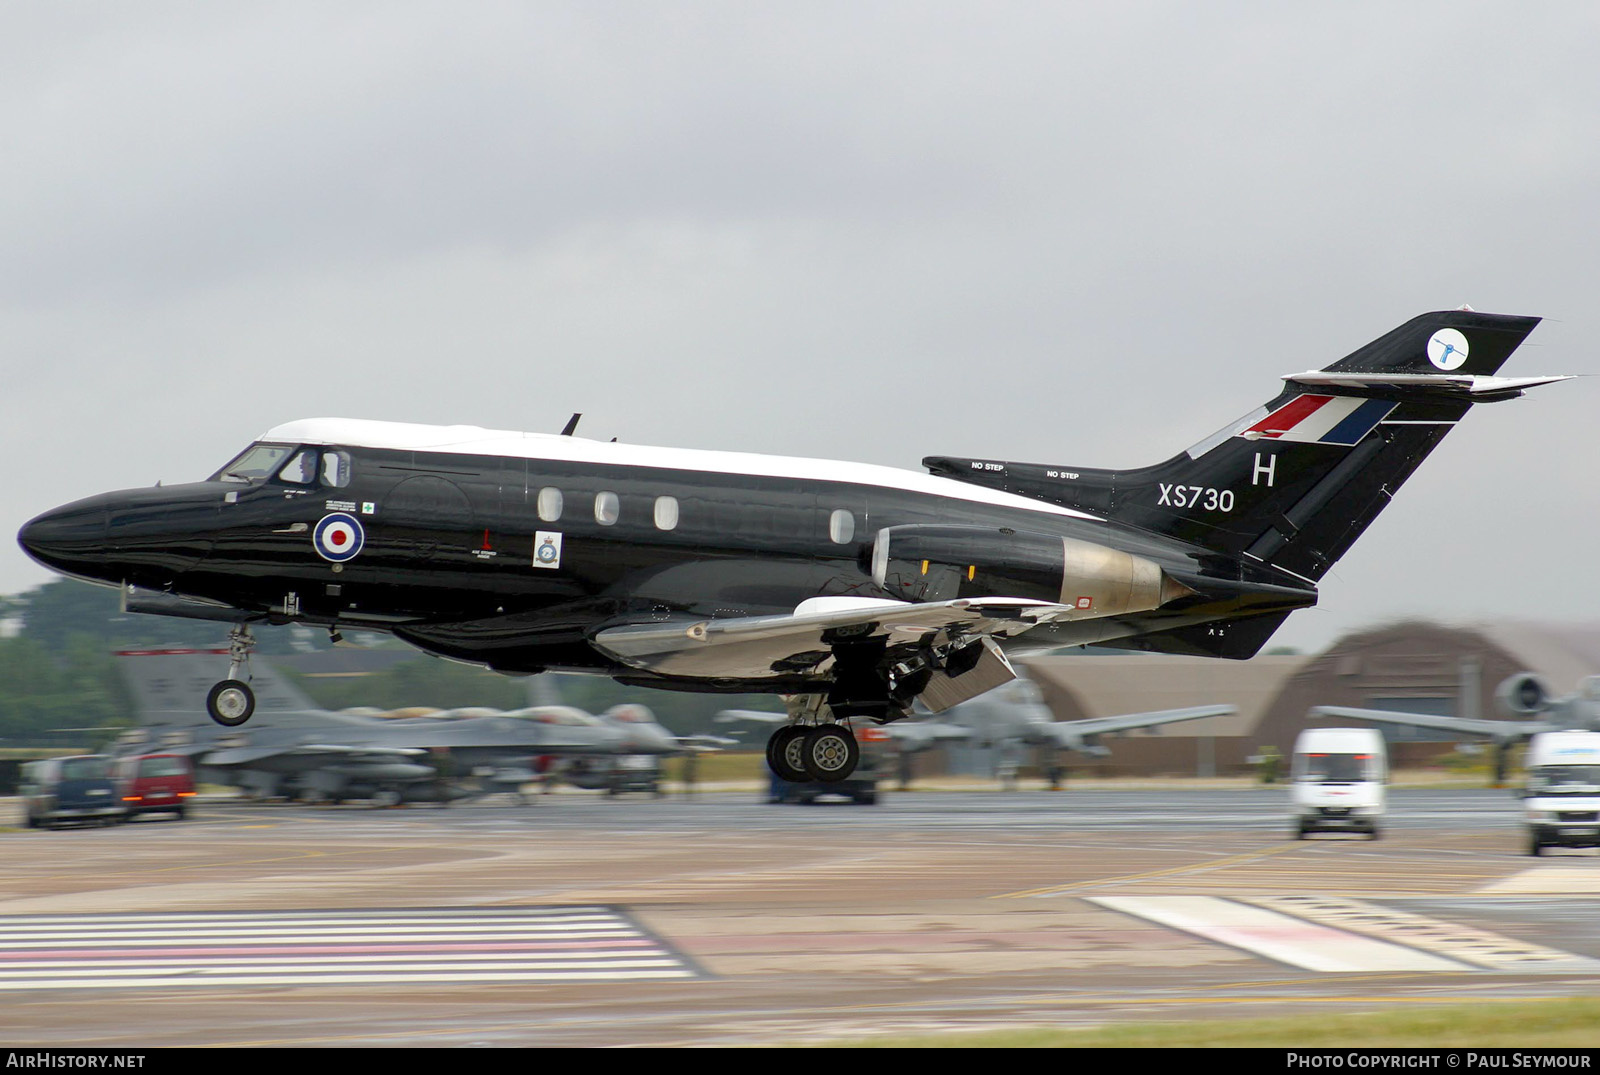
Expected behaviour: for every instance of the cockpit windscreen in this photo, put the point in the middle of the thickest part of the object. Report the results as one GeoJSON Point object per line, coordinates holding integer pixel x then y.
{"type": "Point", "coordinates": [253, 464]}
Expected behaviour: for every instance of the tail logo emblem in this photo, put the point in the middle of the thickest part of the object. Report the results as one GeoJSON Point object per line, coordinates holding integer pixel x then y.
{"type": "Point", "coordinates": [1447, 349]}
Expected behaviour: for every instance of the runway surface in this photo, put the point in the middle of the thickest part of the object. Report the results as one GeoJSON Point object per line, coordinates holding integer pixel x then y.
{"type": "Point", "coordinates": [721, 920]}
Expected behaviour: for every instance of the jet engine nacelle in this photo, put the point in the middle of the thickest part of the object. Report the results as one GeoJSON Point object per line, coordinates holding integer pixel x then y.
{"type": "Point", "coordinates": [1524, 694]}
{"type": "Point", "coordinates": [942, 563]}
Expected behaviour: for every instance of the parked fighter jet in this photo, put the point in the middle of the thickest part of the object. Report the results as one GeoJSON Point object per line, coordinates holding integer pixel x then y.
{"type": "Point", "coordinates": [619, 772]}
{"type": "Point", "coordinates": [855, 590]}
{"type": "Point", "coordinates": [309, 751]}
{"type": "Point", "coordinates": [1012, 717]}
{"type": "Point", "coordinates": [1523, 697]}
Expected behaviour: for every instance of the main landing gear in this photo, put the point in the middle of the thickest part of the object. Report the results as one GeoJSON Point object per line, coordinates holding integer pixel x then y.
{"type": "Point", "coordinates": [231, 702]}
{"type": "Point", "coordinates": [799, 753]}
{"type": "Point", "coordinates": [802, 752]}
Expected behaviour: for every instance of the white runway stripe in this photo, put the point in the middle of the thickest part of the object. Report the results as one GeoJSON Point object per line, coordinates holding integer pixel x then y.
{"type": "Point", "coordinates": [1492, 951]}
{"type": "Point", "coordinates": [1277, 936]}
{"type": "Point", "coordinates": [310, 948]}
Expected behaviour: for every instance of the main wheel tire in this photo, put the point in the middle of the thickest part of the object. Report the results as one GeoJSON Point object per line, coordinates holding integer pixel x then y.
{"type": "Point", "coordinates": [784, 752]}
{"type": "Point", "coordinates": [230, 703]}
{"type": "Point", "coordinates": [1535, 847]}
{"type": "Point", "coordinates": [831, 753]}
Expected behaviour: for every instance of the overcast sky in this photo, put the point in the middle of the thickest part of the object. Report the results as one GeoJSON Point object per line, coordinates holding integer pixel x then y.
{"type": "Point", "coordinates": [1086, 234]}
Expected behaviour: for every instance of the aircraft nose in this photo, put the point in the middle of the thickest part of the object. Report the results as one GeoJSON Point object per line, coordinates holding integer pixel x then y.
{"type": "Point", "coordinates": [67, 538]}
{"type": "Point", "coordinates": [651, 741]}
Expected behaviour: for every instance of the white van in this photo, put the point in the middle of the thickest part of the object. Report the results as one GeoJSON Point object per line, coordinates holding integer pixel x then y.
{"type": "Point", "coordinates": [1336, 781]}
{"type": "Point", "coordinates": [1561, 800]}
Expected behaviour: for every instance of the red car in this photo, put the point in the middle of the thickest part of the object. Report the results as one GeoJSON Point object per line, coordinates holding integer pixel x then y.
{"type": "Point", "coordinates": [156, 783]}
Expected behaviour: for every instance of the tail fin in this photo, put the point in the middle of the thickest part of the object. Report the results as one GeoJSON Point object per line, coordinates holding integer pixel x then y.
{"type": "Point", "coordinates": [1295, 482]}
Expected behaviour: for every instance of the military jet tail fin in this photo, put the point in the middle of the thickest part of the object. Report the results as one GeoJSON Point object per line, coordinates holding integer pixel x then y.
{"type": "Point", "coordinates": [1294, 483]}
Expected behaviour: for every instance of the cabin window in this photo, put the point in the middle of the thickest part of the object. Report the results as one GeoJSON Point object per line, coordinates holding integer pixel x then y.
{"type": "Point", "coordinates": [666, 513]}
{"type": "Point", "coordinates": [336, 469]}
{"type": "Point", "coordinates": [607, 508]}
{"type": "Point", "coordinates": [301, 470]}
{"type": "Point", "coordinates": [549, 503]}
{"type": "Point", "coordinates": [841, 526]}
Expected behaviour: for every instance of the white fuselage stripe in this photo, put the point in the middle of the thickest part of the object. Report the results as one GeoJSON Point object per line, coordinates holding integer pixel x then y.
{"type": "Point", "coordinates": [470, 440]}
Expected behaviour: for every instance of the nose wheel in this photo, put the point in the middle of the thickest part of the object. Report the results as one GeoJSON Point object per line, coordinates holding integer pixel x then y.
{"type": "Point", "coordinates": [231, 702]}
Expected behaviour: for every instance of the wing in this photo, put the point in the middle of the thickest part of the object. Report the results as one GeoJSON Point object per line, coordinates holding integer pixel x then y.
{"type": "Point", "coordinates": [915, 735]}
{"type": "Point", "coordinates": [1079, 735]}
{"type": "Point", "coordinates": [1501, 731]}
{"type": "Point", "coordinates": [757, 647]}
{"type": "Point", "coordinates": [754, 716]}
{"type": "Point", "coordinates": [229, 757]}
{"type": "Point", "coordinates": [704, 744]}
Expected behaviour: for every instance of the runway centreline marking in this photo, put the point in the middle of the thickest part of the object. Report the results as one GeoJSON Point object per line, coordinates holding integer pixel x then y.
{"type": "Point", "coordinates": [209, 949]}
{"type": "Point", "coordinates": [1280, 937]}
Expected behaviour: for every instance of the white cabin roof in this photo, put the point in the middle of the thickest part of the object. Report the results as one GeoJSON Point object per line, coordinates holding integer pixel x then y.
{"type": "Point", "coordinates": [474, 440]}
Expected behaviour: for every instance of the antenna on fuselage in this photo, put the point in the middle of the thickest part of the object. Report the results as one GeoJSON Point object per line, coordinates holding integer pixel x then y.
{"type": "Point", "coordinates": [572, 424]}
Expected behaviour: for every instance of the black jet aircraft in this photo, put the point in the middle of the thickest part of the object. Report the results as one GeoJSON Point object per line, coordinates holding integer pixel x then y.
{"type": "Point", "coordinates": [855, 590]}
{"type": "Point", "coordinates": [1524, 698]}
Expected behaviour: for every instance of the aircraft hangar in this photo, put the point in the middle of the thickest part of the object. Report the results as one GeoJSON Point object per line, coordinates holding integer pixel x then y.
{"type": "Point", "coordinates": [1414, 666]}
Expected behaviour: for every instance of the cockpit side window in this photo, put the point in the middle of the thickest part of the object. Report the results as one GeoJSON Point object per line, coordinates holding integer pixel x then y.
{"type": "Point", "coordinates": [255, 463]}
{"type": "Point", "coordinates": [301, 469]}
{"type": "Point", "coordinates": [336, 469]}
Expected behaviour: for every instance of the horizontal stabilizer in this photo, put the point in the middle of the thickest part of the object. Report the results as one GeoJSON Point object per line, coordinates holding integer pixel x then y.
{"type": "Point", "coordinates": [1471, 387]}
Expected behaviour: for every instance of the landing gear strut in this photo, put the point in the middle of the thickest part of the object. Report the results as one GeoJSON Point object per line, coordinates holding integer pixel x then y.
{"type": "Point", "coordinates": [231, 702]}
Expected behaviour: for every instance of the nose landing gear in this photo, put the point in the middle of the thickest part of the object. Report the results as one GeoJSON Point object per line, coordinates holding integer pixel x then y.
{"type": "Point", "coordinates": [231, 702]}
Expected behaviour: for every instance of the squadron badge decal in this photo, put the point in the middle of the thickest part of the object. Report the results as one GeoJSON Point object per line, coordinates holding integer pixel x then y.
{"type": "Point", "coordinates": [547, 549]}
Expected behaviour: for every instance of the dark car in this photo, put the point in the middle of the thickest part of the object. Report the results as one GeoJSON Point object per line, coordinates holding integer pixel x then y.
{"type": "Point", "coordinates": [156, 783]}
{"type": "Point", "coordinates": [861, 787]}
{"type": "Point", "coordinates": [77, 788]}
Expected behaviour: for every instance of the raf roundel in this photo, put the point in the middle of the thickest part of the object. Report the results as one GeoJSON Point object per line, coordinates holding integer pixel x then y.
{"type": "Point", "coordinates": [338, 537]}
